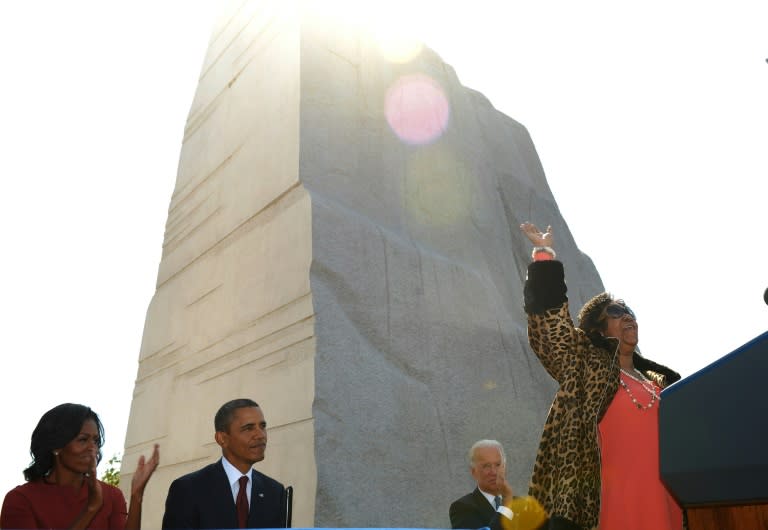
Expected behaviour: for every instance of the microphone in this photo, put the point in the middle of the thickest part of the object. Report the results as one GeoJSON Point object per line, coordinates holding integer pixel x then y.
{"type": "Point", "coordinates": [765, 294]}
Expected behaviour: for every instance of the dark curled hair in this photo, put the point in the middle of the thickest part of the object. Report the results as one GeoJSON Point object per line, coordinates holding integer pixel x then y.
{"type": "Point", "coordinates": [591, 323]}
{"type": "Point", "coordinates": [57, 428]}
{"type": "Point", "coordinates": [224, 415]}
{"type": "Point", "coordinates": [589, 317]}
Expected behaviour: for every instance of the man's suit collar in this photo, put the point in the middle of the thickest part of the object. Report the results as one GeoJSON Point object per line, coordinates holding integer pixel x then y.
{"type": "Point", "coordinates": [487, 496]}
{"type": "Point", "coordinates": [482, 501]}
{"type": "Point", "coordinates": [233, 474]}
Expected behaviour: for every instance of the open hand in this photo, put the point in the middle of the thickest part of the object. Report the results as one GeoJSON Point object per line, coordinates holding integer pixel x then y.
{"type": "Point", "coordinates": [536, 236]}
{"type": "Point", "coordinates": [95, 495]}
{"type": "Point", "coordinates": [504, 489]}
{"type": "Point", "coordinates": [144, 470]}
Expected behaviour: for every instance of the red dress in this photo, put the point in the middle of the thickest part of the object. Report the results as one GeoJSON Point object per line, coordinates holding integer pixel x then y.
{"type": "Point", "coordinates": [633, 496]}
{"type": "Point", "coordinates": [41, 505]}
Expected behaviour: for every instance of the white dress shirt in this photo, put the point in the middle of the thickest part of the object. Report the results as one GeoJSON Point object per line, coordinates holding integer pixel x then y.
{"type": "Point", "coordinates": [503, 510]}
{"type": "Point", "coordinates": [233, 475]}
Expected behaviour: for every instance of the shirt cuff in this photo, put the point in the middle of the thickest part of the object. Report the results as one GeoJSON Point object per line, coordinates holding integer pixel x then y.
{"type": "Point", "coordinates": [506, 512]}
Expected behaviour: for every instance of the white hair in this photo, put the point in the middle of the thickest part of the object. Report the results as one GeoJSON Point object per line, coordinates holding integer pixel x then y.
{"type": "Point", "coordinates": [485, 443]}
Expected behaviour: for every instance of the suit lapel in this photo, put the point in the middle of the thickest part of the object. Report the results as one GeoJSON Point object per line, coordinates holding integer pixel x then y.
{"type": "Point", "coordinates": [257, 498]}
{"type": "Point", "coordinates": [482, 503]}
{"type": "Point", "coordinates": [221, 493]}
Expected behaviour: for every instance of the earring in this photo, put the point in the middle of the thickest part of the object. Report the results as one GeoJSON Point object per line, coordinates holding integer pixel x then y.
{"type": "Point", "coordinates": [55, 453]}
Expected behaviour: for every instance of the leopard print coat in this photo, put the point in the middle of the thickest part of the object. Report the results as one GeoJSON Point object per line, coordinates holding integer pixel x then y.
{"type": "Point", "coordinates": [566, 475]}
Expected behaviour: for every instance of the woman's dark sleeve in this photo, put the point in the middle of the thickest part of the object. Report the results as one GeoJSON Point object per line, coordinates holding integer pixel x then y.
{"type": "Point", "coordinates": [544, 287]}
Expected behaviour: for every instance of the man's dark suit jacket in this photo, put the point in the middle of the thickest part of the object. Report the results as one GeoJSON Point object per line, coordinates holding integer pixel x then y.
{"type": "Point", "coordinates": [203, 499]}
{"type": "Point", "coordinates": [474, 511]}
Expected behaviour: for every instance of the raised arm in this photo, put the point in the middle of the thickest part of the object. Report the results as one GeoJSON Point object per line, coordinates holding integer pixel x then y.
{"type": "Point", "coordinates": [551, 332]}
{"type": "Point", "coordinates": [144, 470]}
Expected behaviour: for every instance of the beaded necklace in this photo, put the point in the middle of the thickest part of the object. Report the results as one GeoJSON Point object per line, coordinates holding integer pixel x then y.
{"type": "Point", "coordinates": [643, 381]}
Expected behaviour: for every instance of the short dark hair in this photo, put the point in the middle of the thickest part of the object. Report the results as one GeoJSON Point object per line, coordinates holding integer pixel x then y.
{"type": "Point", "coordinates": [224, 415]}
{"type": "Point", "coordinates": [57, 428]}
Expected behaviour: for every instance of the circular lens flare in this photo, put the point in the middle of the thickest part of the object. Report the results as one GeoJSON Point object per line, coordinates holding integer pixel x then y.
{"type": "Point", "coordinates": [416, 109]}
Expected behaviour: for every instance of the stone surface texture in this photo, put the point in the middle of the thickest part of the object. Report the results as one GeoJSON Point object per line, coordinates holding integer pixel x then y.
{"type": "Point", "coordinates": [365, 289]}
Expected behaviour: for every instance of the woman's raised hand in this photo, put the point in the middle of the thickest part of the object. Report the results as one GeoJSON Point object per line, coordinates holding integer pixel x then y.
{"type": "Point", "coordinates": [536, 236]}
{"type": "Point", "coordinates": [95, 495]}
{"type": "Point", "coordinates": [141, 476]}
{"type": "Point", "coordinates": [95, 499]}
{"type": "Point", "coordinates": [144, 470]}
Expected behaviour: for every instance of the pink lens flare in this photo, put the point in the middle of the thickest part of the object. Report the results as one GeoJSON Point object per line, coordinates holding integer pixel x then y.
{"type": "Point", "coordinates": [417, 109]}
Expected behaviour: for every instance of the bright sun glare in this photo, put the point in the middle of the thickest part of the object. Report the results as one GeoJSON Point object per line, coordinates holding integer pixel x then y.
{"type": "Point", "coordinates": [415, 105]}
{"type": "Point", "coordinates": [393, 24]}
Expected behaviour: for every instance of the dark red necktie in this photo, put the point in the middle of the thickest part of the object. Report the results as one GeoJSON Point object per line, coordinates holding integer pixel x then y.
{"type": "Point", "coordinates": [242, 502]}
